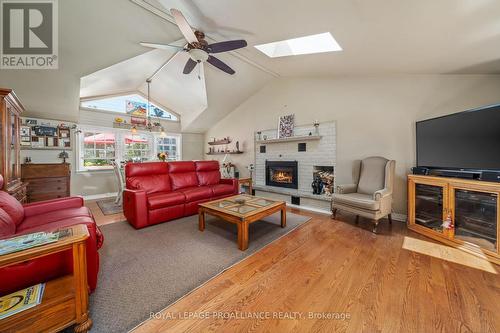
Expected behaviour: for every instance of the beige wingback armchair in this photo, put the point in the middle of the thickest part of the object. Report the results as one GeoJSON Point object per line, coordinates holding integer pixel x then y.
{"type": "Point", "coordinates": [371, 194]}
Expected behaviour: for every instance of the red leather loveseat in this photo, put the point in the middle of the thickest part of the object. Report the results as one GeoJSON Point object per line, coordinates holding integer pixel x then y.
{"type": "Point", "coordinates": [158, 192]}
{"type": "Point", "coordinates": [17, 219]}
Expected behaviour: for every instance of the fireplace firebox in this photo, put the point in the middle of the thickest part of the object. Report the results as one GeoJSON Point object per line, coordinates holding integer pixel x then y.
{"type": "Point", "coordinates": [282, 174]}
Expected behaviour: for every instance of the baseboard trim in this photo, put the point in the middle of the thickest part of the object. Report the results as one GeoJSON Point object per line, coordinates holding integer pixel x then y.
{"type": "Point", "coordinates": [99, 196]}
{"type": "Point", "coordinates": [312, 209]}
{"type": "Point", "coordinates": [399, 217]}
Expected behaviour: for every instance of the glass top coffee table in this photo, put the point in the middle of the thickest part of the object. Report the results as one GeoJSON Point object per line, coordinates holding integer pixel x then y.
{"type": "Point", "coordinates": [241, 210]}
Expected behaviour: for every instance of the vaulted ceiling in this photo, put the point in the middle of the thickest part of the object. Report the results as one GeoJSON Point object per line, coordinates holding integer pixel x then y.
{"type": "Point", "coordinates": [99, 43]}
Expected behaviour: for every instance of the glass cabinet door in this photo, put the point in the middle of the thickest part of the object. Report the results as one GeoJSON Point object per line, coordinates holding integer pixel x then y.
{"type": "Point", "coordinates": [430, 206]}
{"type": "Point", "coordinates": [475, 217]}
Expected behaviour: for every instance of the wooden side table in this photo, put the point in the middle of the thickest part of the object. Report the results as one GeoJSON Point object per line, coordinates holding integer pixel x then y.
{"type": "Point", "coordinates": [246, 182]}
{"type": "Point", "coordinates": [65, 300]}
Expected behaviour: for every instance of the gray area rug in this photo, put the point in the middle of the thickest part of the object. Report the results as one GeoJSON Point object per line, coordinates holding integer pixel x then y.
{"type": "Point", "coordinates": [143, 271]}
{"type": "Point", "coordinates": [109, 207]}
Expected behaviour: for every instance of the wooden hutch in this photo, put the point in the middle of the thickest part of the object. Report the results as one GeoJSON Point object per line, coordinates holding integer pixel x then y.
{"type": "Point", "coordinates": [462, 213]}
{"type": "Point", "coordinates": [10, 160]}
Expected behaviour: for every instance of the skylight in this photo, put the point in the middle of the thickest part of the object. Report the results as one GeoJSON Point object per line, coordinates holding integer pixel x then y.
{"type": "Point", "coordinates": [303, 45]}
{"type": "Point", "coordinates": [133, 105]}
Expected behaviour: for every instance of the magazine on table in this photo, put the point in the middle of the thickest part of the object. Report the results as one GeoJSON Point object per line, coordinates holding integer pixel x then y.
{"type": "Point", "coordinates": [21, 300]}
{"type": "Point", "coordinates": [27, 241]}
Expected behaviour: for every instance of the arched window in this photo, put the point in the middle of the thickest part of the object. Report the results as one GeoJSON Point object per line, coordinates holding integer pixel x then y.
{"type": "Point", "coordinates": [132, 104]}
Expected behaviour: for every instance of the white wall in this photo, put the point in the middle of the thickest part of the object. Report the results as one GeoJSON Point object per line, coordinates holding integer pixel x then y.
{"type": "Point", "coordinates": [374, 115]}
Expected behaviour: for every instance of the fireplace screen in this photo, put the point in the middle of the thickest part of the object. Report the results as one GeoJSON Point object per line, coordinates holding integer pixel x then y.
{"type": "Point", "coordinates": [284, 175]}
{"type": "Point", "coordinates": [281, 173]}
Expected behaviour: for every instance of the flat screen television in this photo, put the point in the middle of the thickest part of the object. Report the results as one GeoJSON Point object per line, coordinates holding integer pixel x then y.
{"type": "Point", "coordinates": [468, 140]}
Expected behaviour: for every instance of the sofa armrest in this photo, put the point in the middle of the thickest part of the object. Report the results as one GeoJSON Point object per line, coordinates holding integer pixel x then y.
{"type": "Point", "coordinates": [380, 194]}
{"type": "Point", "coordinates": [41, 207]}
{"type": "Point", "coordinates": [135, 208]}
{"type": "Point", "coordinates": [347, 188]}
{"type": "Point", "coordinates": [230, 181]}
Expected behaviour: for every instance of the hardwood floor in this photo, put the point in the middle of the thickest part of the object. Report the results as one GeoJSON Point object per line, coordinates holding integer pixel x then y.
{"type": "Point", "coordinates": [333, 268]}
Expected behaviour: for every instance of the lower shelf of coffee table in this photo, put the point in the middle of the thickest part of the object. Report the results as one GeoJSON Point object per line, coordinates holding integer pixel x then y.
{"type": "Point", "coordinates": [56, 311]}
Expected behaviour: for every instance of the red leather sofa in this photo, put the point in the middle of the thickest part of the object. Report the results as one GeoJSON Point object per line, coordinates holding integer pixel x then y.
{"type": "Point", "coordinates": [158, 192]}
{"type": "Point", "coordinates": [17, 219]}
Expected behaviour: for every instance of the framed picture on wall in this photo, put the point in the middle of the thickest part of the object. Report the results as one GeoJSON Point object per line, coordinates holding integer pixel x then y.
{"type": "Point", "coordinates": [50, 142]}
{"type": "Point", "coordinates": [64, 132]}
{"type": "Point", "coordinates": [25, 131]}
{"type": "Point", "coordinates": [285, 126]}
{"type": "Point", "coordinates": [25, 141]}
{"type": "Point", "coordinates": [37, 142]}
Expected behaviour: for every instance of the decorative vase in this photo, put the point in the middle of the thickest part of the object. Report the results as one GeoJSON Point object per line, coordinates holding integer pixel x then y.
{"type": "Point", "coordinates": [316, 128]}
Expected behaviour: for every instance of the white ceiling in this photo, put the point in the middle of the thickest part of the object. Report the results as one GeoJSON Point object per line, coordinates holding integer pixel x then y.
{"type": "Point", "coordinates": [379, 37]}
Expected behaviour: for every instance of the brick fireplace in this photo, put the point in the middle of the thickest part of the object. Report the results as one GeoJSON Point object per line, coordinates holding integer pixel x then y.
{"type": "Point", "coordinates": [285, 168]}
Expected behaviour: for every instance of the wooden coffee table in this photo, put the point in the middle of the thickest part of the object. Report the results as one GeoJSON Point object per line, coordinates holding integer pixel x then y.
{"type": "Point", "coordinates": [242, 214]}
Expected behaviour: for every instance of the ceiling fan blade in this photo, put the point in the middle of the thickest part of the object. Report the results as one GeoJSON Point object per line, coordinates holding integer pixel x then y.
{"type": "Point", "coordinates": [190, 65]}
{"type": "Point", "coordinates": [226, 46]}
{"type": "Point", "coordinates": [184, 26]}
{"type": "Point", "coordinates": [220, 65]}
{"type": "Point", "coordinates": [161, 46]}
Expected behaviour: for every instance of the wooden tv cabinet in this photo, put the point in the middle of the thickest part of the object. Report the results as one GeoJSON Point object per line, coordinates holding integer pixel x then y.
{"type": "Point", "coordinates": [470, 207]}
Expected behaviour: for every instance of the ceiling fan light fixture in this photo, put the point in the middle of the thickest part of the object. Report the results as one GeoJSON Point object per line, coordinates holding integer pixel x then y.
{"type": "Point", "coordinates": [198, 55]}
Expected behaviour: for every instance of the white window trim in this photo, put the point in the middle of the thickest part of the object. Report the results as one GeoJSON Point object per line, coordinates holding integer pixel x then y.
{"type": "Point", "coordinates": [119, 145]}
{"type": "Point", "coordinates": [178, 138]}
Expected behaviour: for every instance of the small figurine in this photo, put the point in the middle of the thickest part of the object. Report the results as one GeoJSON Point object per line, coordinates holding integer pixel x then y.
{"type": "Point", "coordinates": [317, 185]}
{"type": "Point", "coordinates": [237, 146]}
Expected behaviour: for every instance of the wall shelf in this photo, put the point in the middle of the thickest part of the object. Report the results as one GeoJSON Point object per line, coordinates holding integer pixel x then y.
{"type": "Point", "coordinates": [45, 148]}
{"type": "Point", "coordinates": [220, 142]}
{"type": "Point", "coordinates": [224, 153]}
{"type": "Point", "coordinates": [291, 139]}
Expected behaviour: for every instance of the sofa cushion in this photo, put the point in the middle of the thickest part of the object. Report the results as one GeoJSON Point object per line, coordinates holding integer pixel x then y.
{"type": "Point", "coordinates": [207, 172]}
{"type": "Point", "coordinates": [372, 175]}
{"type": "Point", "coordinates": [222, 189]}
{"type": "Point", "coordinates": [182, 174]}
{"type": "Point", "coordinates": [181, 166]}
{"type": "Point", "coordinates": [164, 199]}
{"type": "Point", "coordinates": [150, 184]}
{"type": "Point", "coordinates": [197, 193]}
{"type": "Point", "coordinates": [145, 169]}
{"type": "Point", "coordinates": [12, 207]}
{"type": "Point", "coordinates": [183, 180]}
{"type": "Point", "coordinates": [356, 200]}
{"type": "Point", "coordinates": [75, 215]}
{"type": "Point", "coordinates": [7, 226]}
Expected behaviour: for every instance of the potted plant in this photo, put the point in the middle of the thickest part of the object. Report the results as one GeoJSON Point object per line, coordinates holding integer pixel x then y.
{"type": "Point", "coordinates": [162, 156]}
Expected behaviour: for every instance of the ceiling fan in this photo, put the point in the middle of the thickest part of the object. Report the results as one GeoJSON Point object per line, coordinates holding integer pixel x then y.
{"type": "Point", "coordinates": [197, 47]}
